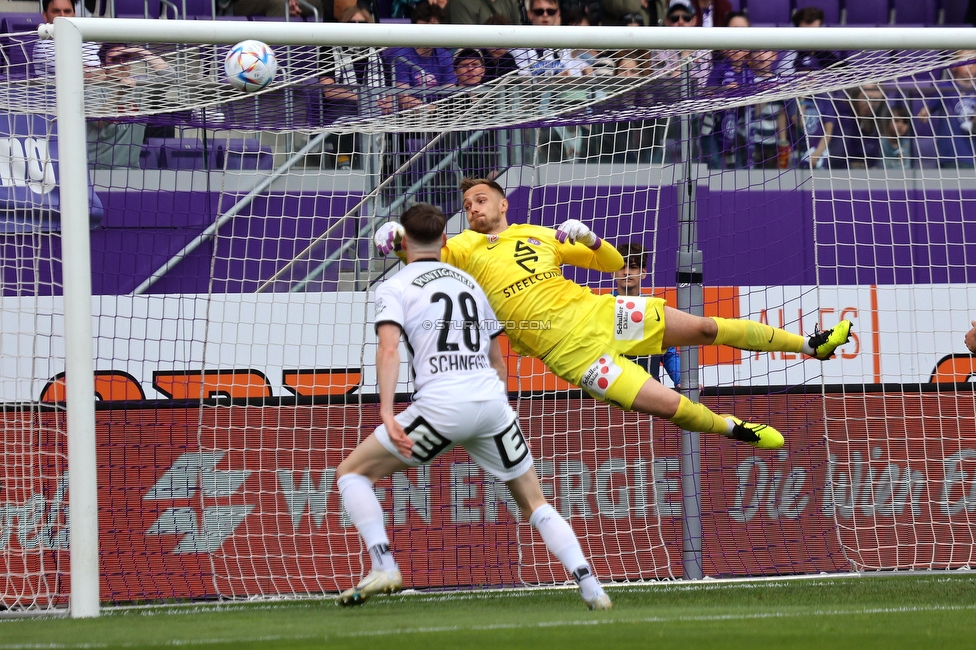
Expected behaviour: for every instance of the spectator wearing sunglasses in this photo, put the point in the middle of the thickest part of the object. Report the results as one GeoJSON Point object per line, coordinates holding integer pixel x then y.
{"type": "Point", "coordinates": [682, 13]}
{"type": "Point", "coordinates": [544, 12]}
{"type": "Point", "coordinates": [540, 62]}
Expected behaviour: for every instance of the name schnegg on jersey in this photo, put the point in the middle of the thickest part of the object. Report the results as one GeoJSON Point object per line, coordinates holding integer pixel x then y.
{"type": "Point", "coordinates": [441, 363]}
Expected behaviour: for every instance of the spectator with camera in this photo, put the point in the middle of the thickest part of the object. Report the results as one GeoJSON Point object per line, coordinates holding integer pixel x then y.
{"type": "Point", "coordinates": [136, 77]}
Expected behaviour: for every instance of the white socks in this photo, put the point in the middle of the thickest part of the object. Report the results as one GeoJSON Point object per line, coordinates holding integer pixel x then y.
{"type": "Point", "coordinates": [364, 510]}
{"type": "Point", "coordinates": [562, 542]}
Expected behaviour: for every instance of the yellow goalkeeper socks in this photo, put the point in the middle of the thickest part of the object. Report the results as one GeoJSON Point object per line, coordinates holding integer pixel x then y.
{"type": "Point", "coordinates": [692, 416]}
{"type": "Point", "coordinates": [750, 335]}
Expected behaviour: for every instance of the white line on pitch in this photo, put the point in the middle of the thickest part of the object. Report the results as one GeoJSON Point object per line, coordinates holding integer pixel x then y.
{"type": "Point", "coordinates": [704, 618]}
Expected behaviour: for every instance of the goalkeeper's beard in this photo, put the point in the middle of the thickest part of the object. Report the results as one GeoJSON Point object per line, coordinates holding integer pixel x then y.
{"type": "Point", "coordinates": [487, 224]}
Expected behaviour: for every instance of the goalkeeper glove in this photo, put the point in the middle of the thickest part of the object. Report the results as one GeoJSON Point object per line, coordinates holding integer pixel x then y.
{"type": "Point", "coordinates": [388, 237]}
{"type": "Point", "coordinates": [573, 230]}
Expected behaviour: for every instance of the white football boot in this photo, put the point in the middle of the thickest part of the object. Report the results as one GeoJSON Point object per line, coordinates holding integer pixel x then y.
{"type": "Point", "coordinates": [376, 582]}
{"type": "Point", "coordinates": [600, 601]}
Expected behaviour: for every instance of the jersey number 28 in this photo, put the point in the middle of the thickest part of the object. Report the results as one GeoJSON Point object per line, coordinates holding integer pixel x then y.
{"type": "Point", "coordinates": [471, 332]}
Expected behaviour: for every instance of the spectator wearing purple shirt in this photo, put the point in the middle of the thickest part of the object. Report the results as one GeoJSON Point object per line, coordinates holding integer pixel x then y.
{"type": "Point", "coordinates": [954, 113]}
{"type": "Point", "coordinates": [422, 68]}
{"type": "Point", "coordinates": [727, 144]}
{"type": "Point", "coordinates": [857, 145]}
{"type": "Point", "coordinates": [814, 121]}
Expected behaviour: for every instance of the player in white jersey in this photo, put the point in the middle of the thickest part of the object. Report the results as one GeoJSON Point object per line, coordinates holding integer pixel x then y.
{"type": "Point", "coordinates": [459, 375]}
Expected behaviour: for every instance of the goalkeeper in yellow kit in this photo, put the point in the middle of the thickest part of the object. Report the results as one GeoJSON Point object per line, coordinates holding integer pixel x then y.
{"type": "Point", "coordinates": [585, 338]}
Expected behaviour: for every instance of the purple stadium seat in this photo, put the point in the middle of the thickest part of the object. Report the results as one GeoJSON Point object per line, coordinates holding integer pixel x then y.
{"type": "Point", "coordinates": [177, 154]}
{"type": "Point", "coordinates": [20, 22]}
{"type": "Point", "coordinates": [17, 50]}
{"type": "Point", "coordinates": [868, 12]}
{"type": "Point", "coordinates": [831, 9]}
{"type": "Point", "coordinates": [914, 12]}
{"type": "Point", "coordinates": [243, 154]}
{"type": "Point", "coordinates": [16, 54]}
{"type": "Point", "coordinates": [151, 155]}
{"type": "Point", "coordinates": [137, 8]}
{"type": "Point", "coordinates": [188, 153]}
{"type": "Point", "coordinates": [768, 11]}
{"type": "Point", "coordinates": [195, 9]}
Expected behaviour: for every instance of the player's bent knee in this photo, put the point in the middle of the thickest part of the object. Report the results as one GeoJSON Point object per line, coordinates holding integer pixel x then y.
{"type": "Point", "coordinates": [347, 466]}
{"type": "Point", "coordinates": [708, 330]}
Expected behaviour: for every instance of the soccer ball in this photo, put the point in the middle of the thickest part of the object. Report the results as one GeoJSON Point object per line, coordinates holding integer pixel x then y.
{"type": "Point", "coordinates": [250, 65]}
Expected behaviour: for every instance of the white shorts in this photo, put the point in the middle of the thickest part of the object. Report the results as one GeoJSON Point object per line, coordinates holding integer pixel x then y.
{"type": "Point", "coordinates": [488, 431]}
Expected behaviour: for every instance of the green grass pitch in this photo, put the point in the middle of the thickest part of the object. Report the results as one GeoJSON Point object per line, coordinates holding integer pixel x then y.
{"type": "Point", "coordinates": [884, 612]}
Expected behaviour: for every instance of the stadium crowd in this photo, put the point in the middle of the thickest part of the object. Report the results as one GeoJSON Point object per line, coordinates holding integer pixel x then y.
{"type": "Point", "coordinates": [875, 126]}
{"type": "Point", "coordinates": [867, 127]}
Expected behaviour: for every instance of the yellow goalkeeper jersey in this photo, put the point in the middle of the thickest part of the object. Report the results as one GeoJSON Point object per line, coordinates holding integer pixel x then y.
{"type": "Point", "coordinates": [519, 269]}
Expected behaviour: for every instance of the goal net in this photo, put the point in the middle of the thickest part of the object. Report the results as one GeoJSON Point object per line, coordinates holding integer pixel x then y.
{"type": "Point", "coordinates": [232, 274]}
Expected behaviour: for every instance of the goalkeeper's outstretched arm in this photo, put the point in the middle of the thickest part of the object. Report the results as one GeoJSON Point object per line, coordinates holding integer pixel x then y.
{"type": "Point", "coordinates": [388, 238]}
{"type": "Point", "coordinates": [581, 247]}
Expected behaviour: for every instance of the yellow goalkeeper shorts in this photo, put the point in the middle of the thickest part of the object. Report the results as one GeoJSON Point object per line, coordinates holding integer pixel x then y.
{"type": "Point", "coordinates": [593, 357]}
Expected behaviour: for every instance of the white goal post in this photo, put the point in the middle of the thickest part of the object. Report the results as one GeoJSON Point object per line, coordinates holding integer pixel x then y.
{"type": "Point", "coordinates": [69, 35]}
